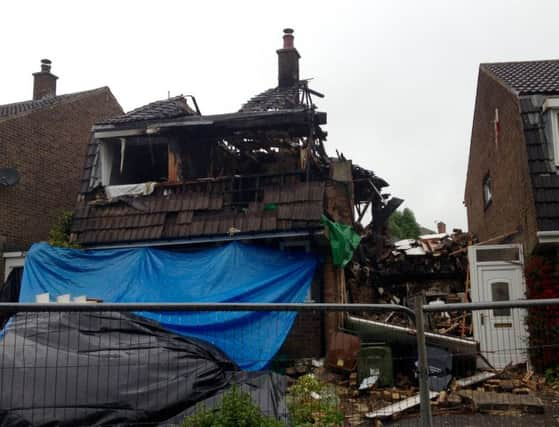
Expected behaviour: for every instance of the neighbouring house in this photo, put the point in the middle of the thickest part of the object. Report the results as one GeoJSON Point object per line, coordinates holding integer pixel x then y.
{"type": "Point", "coordinates": [165, 175]}
{"type": "Point", "coordinates": [512, 195]}
{"type": "Point", "coordinates": [512, 184]}
{"type": "Point", "coordinates": [42, 146]}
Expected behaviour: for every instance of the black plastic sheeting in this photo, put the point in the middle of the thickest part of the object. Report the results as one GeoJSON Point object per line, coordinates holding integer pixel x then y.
{"type": "Point", "coordinates": [9, 291]}
{"type": "Point", "coordinates": [439, 364]}
{"type": "Point", "coordinates": [71, 369]}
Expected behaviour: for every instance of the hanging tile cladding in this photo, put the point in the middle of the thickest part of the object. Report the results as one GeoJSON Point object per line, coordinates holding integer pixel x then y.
{"type": "Point", "coordinates": [541, 163]}
{"type": "Point", "coordinates": [195, 213]}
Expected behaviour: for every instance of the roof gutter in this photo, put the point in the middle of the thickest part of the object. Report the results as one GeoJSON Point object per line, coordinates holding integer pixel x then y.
{"type": "Point", "coordinates": [548, 237]}
{"type": "Point", "coordinates": [116, 133]}
{"type": "Point", "coordinates": [212, 239]}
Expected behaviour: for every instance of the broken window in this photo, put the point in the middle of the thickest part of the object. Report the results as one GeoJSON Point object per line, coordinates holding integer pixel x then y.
{"type": "Point", "coordinates": [487, 192]}
{"type": "Point", "coordinates": [134, 160]}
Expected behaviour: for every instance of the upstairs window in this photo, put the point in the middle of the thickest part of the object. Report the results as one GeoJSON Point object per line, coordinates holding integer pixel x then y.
{"type": "Point", "coordinates": [133, 161]}
{"type": "Point", "coordinates": [487, 192]}
{"type": "Point", "coordinates": [554, 131]}
{"type": "Point", "coordinates": [551, 109]}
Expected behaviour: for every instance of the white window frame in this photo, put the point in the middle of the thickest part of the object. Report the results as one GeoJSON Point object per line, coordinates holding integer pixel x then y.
{"type": "Point", "coordinates": [551, 107]}
{"type": "Point", "coordinates": [487, 189]}
{"type": "Point", "coordinates": [554, 116]}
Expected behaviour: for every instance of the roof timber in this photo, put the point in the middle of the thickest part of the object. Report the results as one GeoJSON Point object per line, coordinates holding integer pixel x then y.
{"type": "Point", "coordinates": [226, 123]}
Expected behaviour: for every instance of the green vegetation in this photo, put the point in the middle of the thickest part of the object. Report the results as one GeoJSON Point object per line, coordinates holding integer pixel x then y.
{"type": "Point", "coordinates": [235, 410]}
{"type": "Point", "coordinates": [313, 403]}
{"type": "Point", "coordinates": [59, 235]}
{"type": "Point", "coordinates": [552, 376]}
{"type": "Point", "coordinates": [402, 225]}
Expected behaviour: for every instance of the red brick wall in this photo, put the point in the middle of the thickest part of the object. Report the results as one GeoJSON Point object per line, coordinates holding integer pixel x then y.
{"type": "Point", "coordinates": [48, 148]}
{"type": "Point", "coordinates": [507, 164]}
{"type": "Point", "coordinates": [311, 332]}
{"type": "Point", "coordinates": [305, 338]}
{"type": "Point", "coordinates": [339, 206]}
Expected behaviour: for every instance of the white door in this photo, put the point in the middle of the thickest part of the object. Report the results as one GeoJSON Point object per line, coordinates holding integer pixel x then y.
{"type": "Point", "coordinates": [496, 274]}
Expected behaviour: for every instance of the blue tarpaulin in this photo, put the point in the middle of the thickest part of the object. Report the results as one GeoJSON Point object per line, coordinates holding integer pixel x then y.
{"type": "Point", "coordinates": [232, 273]}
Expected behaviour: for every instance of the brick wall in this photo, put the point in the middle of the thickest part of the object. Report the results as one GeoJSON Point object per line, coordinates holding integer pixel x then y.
{"type": "Point", "coordinates": [305, 338]}
{"type": "Point", "coordinates": [47, 147]}
{"type": "Point", "coordinates": [310, 334]}
{"type": "Point", "coordinates": [506, 163]}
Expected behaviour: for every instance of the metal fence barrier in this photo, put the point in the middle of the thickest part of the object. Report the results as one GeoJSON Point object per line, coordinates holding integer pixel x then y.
{"type": "Point", "coordinates": [517, 342]}
{"type": "Point", "coordinates": [106, 364]}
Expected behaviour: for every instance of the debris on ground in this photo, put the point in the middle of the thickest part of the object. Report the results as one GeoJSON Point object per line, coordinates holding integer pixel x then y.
{"type": "Point", "coordinates": [514, 390]}
{"type": "Point", "coordinates": [398, 407]}
{"type": "Point", "coordinates": [491, 401]}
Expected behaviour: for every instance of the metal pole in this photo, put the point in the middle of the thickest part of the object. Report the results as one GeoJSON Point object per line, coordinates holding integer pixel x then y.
{"type": "Point", "coordinates": [424, 399]}
{"type": "Point", "coordinates": [15, 307]}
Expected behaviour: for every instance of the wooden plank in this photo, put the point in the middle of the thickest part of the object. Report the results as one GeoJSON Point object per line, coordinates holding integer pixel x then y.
{"type": "Point", "coordinates": [172, 166]}
{"type": "Point", "coordinates": [398, 407]}
{"type": "Point", "coordinates": [475, 379]}
{"type": "Point", "coordinates": [485, 401]}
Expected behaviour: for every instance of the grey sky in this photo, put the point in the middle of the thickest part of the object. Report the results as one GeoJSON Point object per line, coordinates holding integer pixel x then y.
{"type": "Point", "coordinates": [399, 76]}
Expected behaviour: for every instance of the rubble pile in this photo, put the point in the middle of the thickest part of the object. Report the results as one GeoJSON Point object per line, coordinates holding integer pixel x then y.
{"type": "Point", "coordinates": [434, 265]}
{"type": "Point", "coordinates": [514, 391]}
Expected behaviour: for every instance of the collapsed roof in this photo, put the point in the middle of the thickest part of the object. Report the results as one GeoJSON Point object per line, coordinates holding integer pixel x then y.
{"type": "Point", "coordinates": [263, 169]}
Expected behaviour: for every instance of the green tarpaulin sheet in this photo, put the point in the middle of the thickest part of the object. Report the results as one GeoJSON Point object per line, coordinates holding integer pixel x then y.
{"type": "Point", "coordinates": [343, 241]}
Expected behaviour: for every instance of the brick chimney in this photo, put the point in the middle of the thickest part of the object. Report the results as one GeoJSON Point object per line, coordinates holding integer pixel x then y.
{"type": "Point", "coordinates": [441, 227]}
{"type": "Point", "coordinates": [288, 61]}
{"type": "Point", "coordinates": [44, 83]}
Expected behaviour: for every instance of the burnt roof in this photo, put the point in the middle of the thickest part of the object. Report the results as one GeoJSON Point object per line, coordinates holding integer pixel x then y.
{"type": "Point", "coordinates": [19, 108]}
{"type": "Point", "coordinates": [159, 110]}
{"type": "Point", "coordinates": [278, 98]}
{"type": "Point", "coordinates": [527, 77]}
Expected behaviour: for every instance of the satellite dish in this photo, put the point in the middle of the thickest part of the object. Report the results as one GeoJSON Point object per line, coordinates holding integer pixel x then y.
{"type": "Point", "coordinates": [8, 177]}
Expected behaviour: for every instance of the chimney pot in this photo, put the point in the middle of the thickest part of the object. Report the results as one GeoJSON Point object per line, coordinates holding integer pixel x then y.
{"type": "Point", "coordinates": [288, 61]}
{"type": "Point", "coordinates": [44, 82]}
{"type": "Point", "coordinates": [441, 227]}
{"type": "Point", "coordinates": [288, 38]}
{"type": "Point", "coordinates": [45, 65]}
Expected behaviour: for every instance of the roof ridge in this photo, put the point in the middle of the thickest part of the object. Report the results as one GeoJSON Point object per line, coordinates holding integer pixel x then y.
{"type": "Point", "coordinates": [519, 62]}
{"type": "Point", "coordinates": [173, 107]}
{"type": "Point", "coordinates": [79, 93]}
{"type": "Point", "coordinates": [17, 109]}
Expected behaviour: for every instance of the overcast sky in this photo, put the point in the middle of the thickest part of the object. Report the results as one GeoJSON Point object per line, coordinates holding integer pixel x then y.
{"type": "Point", "coordinates": [399, 76]}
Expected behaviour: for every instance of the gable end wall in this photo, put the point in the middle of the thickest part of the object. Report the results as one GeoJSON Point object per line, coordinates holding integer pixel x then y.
{"type": "Point", "coordinates": [47, 147]}
{"type": "Point", "coordinates": [512, 203]}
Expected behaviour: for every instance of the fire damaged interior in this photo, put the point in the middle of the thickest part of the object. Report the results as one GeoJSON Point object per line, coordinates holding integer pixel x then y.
{"type": "Point", "coordinates": [166, 172]}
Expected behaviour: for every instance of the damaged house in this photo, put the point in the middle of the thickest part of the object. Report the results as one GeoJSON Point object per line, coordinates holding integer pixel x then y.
{"type": "Point", "coordinates": [165, 175]}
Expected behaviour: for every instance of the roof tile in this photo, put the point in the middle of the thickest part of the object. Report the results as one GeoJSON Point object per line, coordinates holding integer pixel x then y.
{"type": "Point", "coordinates": [158, 110]}
{"type": "Point", "coordinates": [18, 108]}
{"type": "Point", "coordinates": [528, 77]}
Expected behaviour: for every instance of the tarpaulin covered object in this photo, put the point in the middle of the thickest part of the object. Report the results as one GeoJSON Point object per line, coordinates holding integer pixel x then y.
{"type": "Point", "coordinates": [232, 273]}
{"type": "Point", "coordinates": [343, 241]}
{"type": "Point", "coordinates": [90, 368]}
